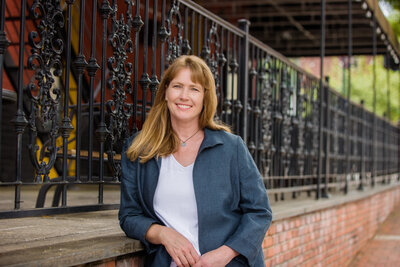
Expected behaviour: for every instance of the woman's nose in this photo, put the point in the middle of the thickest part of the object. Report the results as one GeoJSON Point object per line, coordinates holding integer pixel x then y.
{"type": "Point", "coordinates": [184, 93]}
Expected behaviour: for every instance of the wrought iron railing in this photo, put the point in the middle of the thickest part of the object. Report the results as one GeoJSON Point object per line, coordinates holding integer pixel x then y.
{"type": "Point", "coordinates": [89, 73]}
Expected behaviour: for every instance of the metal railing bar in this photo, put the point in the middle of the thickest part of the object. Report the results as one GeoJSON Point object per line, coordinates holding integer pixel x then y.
{"type": "Point", "coordinates": [56, 210]}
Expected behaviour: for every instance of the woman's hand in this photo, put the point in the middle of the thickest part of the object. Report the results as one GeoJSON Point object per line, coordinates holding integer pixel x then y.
{"type": "Point", "coordinates": [177, 246]}
{"type": "Point", "coordinates": [219, 257]}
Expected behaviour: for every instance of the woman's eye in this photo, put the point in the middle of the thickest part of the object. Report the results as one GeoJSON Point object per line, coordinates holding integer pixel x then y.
{"type": "Point", "coordinates": [176, 86]}
{"type": "Point", "coordinates": [195, 89]}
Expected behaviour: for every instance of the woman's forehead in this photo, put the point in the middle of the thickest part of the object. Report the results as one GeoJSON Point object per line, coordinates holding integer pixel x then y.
{"type": "Point", "coordinates": [187, 73]}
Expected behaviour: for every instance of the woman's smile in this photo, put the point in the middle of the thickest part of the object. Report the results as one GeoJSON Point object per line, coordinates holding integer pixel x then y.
{"type": "Point", "coordinates": [183, 106]}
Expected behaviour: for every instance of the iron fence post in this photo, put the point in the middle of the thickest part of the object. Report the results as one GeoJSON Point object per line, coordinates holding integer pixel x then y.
{"type": "Point", "coordinates": [348, 121]}
{"type": "Point", "coordinates": [20, 121]}
{"type": "Point", "coordinates": [374, 48]}
{"type": "Point", "coordinates": [321, 91]}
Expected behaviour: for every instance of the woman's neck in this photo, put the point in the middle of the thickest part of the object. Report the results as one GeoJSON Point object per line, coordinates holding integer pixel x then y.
{"type": "Point", "coordinates": [185, 130]}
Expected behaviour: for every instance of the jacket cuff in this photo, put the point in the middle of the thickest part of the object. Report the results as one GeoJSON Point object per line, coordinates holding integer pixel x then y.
{"type": "Point", "coordinates": [245, 248]}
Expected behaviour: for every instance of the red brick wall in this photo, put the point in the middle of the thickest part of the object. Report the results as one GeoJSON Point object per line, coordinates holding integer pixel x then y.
{"type": "Point", "coordinates": [328, 237]}
{"type": "Point", "coordinates": [130, 260]}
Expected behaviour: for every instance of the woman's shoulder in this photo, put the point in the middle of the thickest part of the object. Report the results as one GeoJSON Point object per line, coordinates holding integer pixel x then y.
{"type": "Point", "coordinates": [226, 137]}
{"type": "Point", "coordinates": [129, 140]}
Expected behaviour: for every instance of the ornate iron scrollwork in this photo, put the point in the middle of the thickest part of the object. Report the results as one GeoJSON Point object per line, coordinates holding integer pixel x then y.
{"type": "Point", "coordinates": [213, 56]}
{"type": "Point", "coordinates": [286, 120]}
{"type": "Point", "coordinates": [300, 132]}
{"type": "Point", "coordinates": [119, 82]}
{"type": "Point", "coordinates": [266, 116]}
{"type": "Point", "coordinates": [174, 49]}
{"type": "Point", "coordinates": [315, 125]}
{"type": "Point", "coordinates": [45, 98]}
{"type": "Point", "coordinates": [335, 137]}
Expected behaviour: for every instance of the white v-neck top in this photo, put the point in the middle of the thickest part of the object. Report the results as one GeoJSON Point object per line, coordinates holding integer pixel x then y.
{"type": "Point", "coordinates": [174, 199]}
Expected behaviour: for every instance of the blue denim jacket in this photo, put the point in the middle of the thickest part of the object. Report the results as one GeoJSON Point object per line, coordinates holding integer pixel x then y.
{"type": "Point", "coordinates": [232, 202]}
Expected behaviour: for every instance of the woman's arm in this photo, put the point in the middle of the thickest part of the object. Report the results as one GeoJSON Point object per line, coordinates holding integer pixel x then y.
{"type": "Point", "coordinates": [254, 204]}
{"type": "Point", "coordinates": [132, 219]}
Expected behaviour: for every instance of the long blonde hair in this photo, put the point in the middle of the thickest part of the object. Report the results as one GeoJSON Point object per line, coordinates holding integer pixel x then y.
{"type": "Point", "coordinates": [157, 137]}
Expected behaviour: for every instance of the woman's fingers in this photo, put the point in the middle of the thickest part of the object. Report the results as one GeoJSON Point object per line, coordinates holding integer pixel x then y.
{"type": "Point", "coordinates": [196, 257]}
{"type": "Point", "coordinates": [179, 248]}
{"type": "Point", "coordinates": [186, 254]}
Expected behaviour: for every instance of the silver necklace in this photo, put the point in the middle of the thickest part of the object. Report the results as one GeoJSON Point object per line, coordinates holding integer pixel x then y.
{"type": "Point", "coordinates": [184, 142]}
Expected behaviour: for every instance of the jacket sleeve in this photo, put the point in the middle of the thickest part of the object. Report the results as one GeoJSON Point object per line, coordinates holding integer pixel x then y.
{"type": "Point", "coordinates": [254, 204]}
{"type": "Point", "coordinates": [132, 219]}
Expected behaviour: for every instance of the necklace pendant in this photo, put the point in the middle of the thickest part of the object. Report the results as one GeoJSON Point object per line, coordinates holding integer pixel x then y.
{"type": "Point", "coordinates": [183, 144]}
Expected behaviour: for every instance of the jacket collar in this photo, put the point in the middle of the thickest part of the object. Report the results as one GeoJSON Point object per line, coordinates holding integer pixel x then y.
{"type": "Point", "coordinates": [211, 138]}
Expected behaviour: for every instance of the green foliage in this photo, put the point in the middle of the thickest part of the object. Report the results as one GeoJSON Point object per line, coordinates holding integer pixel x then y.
{"type": "Point", "coordinates": [394, 16]}
{"type": "Point", "coordinates": [394, 3]}
{"type": "Point", "coordinates": [362, 86]}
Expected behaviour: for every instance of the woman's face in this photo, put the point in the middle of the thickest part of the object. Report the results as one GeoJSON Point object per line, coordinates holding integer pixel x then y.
{"type": "Point", "coordinates": [184, 98]}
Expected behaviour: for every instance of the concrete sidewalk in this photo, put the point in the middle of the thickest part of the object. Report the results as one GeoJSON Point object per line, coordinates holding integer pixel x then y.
{"type": "Point", "coordinates": [384, 248]}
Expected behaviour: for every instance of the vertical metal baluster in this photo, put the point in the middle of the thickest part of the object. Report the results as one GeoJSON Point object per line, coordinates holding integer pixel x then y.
{"type": "Point", "coordinates": [192, 31]}
{"type": "Point", "coordinates": [244, 25]}
{"type": "Point", "coordinates": [221, 62]}
{"type": "Point", "coordinates": [328, 133]}
{"type": "Point", "coordinates": [137, 24]}
{"type": "Point", "coordinates": [269, 121]}
{"type": "Point", "coordinates": [285, 125]}
{"type": "Point", "coordinates": [322, 55]}
{"type": "Point", "coordinates": [102, 131]}
{"type": "Point", "coordinates": [275, 112]}
{"type": "Point", "coordinates": [4, 43]}
{"type": "Point", "coordinates": [251, 116]}
{"type": "Point", "coordinates": [234, 66]}
{"type": "Point", "coordinates": [154, 81]}
{"type": "Point", "coordinates": [204, 51]}
{"type": "Point", "coordinates": [227, 102]}
{"type": "Point", "coordinates": [257, 110]}
{"type": "Point", "coordinates": [265, 106]}
{"type": "Point", "coordinates": [186, 46]}
{"type": "Point", "coordinates": [20, 121]}
{"type": "Point", "coordinates": [144, 79]}
{"type": "Point", "coordinates": [163, 37]}
{"type": "Point", "coordinates": [66, 127]}
{"type": "Point", "coordinates": [198, 34]}
{"type": "Point", "coordinates": [384, 140]}
{"type": "Point", "coordinates": [92, 68]}
{"type": "Point", "coordinates": [238, 104]}
{"type": "Point", "coordinates": [309, 127]}
{"type": "Point", "coordinates": [301, 133]}
{"type": "Point", "coordinates": [278, 123]}
{"type": "Point", "coordinates": [362, 152]}
{"type": "Point", "coordinates": [80, 64]}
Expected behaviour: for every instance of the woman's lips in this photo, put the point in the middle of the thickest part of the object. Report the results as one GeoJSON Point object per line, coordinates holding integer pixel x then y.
{"type": "Point", "coordinates": [183, 106]}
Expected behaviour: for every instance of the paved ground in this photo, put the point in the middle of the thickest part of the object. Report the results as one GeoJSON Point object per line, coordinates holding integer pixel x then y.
{"type": "Point", "coordinates": [384, 249]}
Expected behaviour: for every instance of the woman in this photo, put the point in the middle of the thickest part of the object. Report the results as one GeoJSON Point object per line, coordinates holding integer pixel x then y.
{"type": "Point", "coordinates": [190, 190]}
